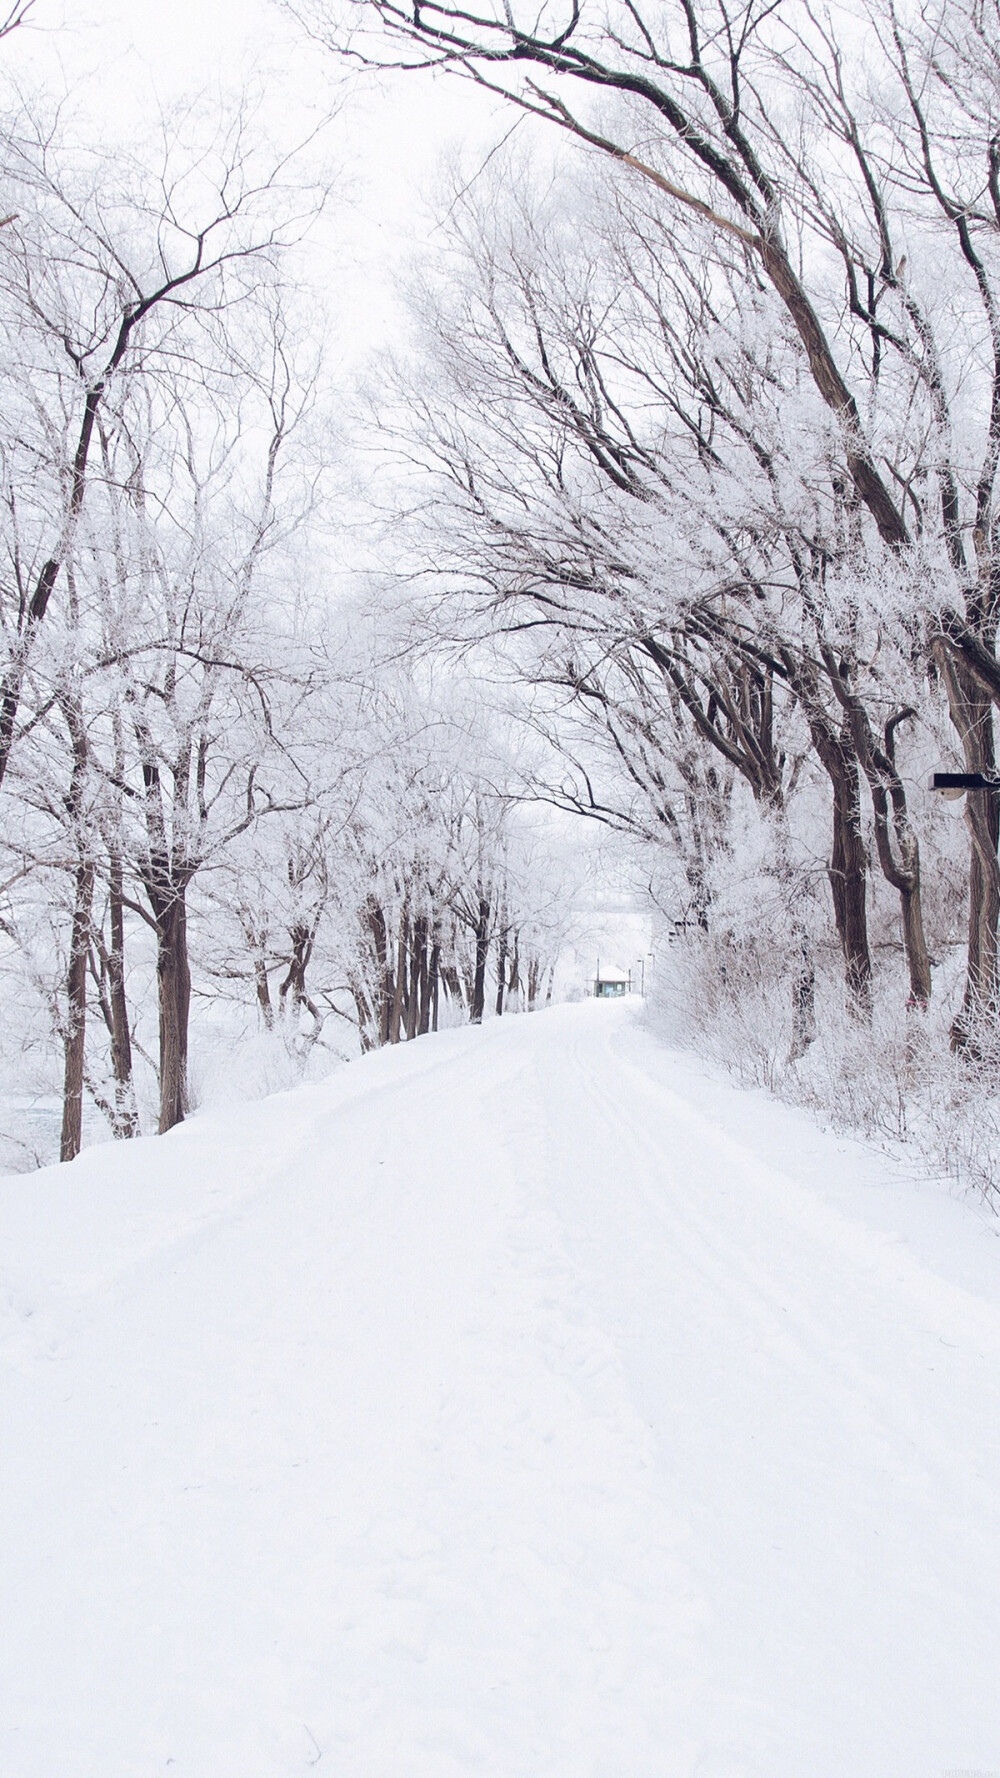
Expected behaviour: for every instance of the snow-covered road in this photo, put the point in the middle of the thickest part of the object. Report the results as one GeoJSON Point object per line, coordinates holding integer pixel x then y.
{"type": "Point", "coordinates": [518, 1404]}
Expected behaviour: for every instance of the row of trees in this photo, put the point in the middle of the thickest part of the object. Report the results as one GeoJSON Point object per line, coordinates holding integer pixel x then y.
{"type": "Point", "coordinates": [703, 429]}
{"type": "Point", "coordinates": [195, 737]}
{"type": "Point", "coordinates": [713, 421]}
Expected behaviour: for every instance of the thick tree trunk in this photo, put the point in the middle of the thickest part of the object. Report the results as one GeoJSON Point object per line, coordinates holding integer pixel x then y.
{"type": "Point", "coordinates": [972, 716]}
{"type": "Point", "coordinates": [918, 960]}
{"type": "Point", "coordinates": [892, 822]}
{"type": "Point", "coordinates": [174, 981]}
{"type": "Point", "coordinates": [71, 1139]}
{"type": "Point", "coordinates": [972, 1026]}
{"type": "Point", "coordinates": [848, 883]}
{"type": "Point", "coordinates": [478, 997]}
{"type": "Point", "coordinates": [848, 868]}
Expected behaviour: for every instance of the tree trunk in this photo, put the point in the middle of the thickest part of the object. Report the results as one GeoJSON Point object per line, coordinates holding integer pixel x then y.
{"type": "Point", "coordinates": [848, 868]}
{"type": "Point", "coordinates": [972, 1026]}
{"type": "Point", "coordinates": [904, 875]}
{"type": "Point", "coordinates": [804, 964]}
{"type": "Point", "coordinates": [434, 983]}
{"type": "Point", "coordinates": [429, 982]}
{"type": "Point", "coordinates": [848, 884]}
{"type": "Point", "coordinates": [293, 987]}
{"type": "Point", "coordinates": [126, 1111]}
{"type": "Point", "coordinates": [263, 990]}
{"type": "Point", "coordinates": [396, 1017]}
{"type": "Point", "coordinates": [892, 821]}
{"type": "Point", "coordinates": [256, 939]}
{"type": "Point", "coordinates": [367, 1031]}
{"type": "Point", "coordinates": [915, 945]}
{"type": "Point", "coordinates": [972, 716]}
{"type": "Point", "coordinates": [501, 969]}
{"type": "Point", "coordinates": [482, 951]}
{"type": "Point", "coordinates": [803, 994]}
{"type": "Point", "coordinates": [451, 981]}
{"type": "Point", "coordinates": [386, 987]}
{"type": "Point", "coordinates": [418, 977]}
{"type": "Point", "coordinates": [514, 978]}
{"type": "Point", "coordinates": [174, 981]}
{"type": "Point", "coordinates": [71, 1139]}
{"type": "Point", "coordinates": [71, 1136]}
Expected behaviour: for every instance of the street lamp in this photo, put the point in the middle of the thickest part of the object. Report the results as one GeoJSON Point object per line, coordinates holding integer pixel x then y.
{"type": "Point", "coordinates": [952, 785]}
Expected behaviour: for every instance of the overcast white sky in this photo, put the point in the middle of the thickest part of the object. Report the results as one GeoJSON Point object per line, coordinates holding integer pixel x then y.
{"type": "Point", "coordinates": [130, 55]}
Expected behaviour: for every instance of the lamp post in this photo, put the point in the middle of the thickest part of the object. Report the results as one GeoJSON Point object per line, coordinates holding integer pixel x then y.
{"type": "Point", "coordinates": [952, 785]}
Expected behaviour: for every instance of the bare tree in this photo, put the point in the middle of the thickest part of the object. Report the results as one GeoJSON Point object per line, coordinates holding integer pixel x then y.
{"type": "Point", "coordinates": [107, 269]}
{"type": "Point", "coordinates": [714, 92]}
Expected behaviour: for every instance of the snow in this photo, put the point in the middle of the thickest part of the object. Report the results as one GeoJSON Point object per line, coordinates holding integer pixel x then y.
{"type": "Point", "coordinates": [521, 1402]}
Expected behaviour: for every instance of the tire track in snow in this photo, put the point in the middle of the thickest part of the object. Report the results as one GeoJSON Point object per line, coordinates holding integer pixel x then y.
{"type": "Point", "coordinates": [843, 1459]}
{"type": "Point", "coordinates": [513, 1423]}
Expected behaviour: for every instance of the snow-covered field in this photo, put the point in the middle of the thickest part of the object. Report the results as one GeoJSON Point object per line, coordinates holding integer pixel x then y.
{"type": "Point", "coordinates": [519, 1403]}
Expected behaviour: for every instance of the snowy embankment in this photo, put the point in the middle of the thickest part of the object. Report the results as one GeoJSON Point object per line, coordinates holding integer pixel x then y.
{"type": "Point", "coordinates": [517, 1404]}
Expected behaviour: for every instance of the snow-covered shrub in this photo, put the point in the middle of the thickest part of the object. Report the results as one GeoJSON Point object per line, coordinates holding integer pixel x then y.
{"type": "Point", "coordinates": [892, 1078]}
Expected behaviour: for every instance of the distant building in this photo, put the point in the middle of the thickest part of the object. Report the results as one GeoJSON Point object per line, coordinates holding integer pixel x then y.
{"type": "Point", "coordinates": [609, 984]}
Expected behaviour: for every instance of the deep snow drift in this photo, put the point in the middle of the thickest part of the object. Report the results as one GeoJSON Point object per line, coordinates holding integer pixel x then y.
{"type": "Point", "coordinates": [520, 1403]}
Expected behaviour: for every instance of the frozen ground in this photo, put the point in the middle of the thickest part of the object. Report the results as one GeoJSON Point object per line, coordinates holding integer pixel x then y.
{"type": "Point", "coordinates": [520, 1404]}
